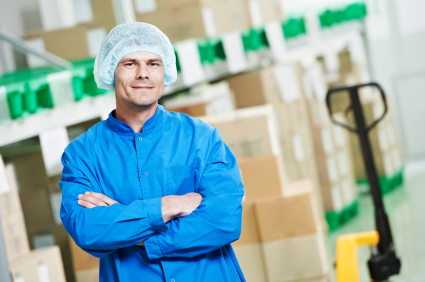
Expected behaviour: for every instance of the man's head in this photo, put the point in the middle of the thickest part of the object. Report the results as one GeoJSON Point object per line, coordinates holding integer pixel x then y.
{"type": "Point", "coordinates": [139, 79]}
{"type": "Point", "coordinates": [138, 60]}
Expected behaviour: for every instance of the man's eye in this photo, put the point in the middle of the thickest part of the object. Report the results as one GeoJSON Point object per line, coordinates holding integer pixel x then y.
{"type": "Point", "coordinates": [129, 64]}
{"type": "Point", "coordinates": [154, 64]}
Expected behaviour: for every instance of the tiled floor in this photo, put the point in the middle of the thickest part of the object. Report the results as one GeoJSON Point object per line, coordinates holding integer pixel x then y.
{"type": "Point", "coordinates": [406, 210]}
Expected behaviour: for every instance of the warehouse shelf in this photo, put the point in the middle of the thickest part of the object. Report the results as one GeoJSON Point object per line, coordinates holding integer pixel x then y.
{"type": "Point", "coordinates": [66, 115]}
{"type": "Point", "coordinates": [387, 183]}
{"type": "Point", "coordinates": [37, 103]}
{"type": "Point", "coordinates": [336, 219]}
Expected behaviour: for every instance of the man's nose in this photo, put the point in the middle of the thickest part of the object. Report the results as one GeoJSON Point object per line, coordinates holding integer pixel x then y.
{"type": "Point", "coordinates": [142, 71]}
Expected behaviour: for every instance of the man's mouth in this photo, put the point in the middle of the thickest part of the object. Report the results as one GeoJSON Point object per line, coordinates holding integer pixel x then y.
{"type": "Point", "coordinates": [142, 87]}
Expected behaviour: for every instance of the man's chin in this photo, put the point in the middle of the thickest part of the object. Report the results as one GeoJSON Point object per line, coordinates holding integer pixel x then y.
{"type": "Point", "coordinates": [142, 104]}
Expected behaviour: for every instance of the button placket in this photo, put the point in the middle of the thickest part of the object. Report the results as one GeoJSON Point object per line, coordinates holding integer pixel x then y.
{"type": "Point", "coordinates": [142, 174]}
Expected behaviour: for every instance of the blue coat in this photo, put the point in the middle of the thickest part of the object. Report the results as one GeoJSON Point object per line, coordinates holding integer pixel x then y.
{"type": "Point", "coordinates": [174, 155]}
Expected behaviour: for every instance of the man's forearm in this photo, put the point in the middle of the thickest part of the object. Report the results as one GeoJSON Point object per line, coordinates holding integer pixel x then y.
{"type": "Point", "coordinates": [179, 206]}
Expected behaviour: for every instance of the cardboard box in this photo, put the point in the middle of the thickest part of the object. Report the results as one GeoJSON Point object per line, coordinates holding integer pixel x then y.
{"type": "Point", "coordinates": [336, 176]}
{"type": "Point", "coordinates": [384, 141]}
{"type": "Point", "coordinates": [192, 21]}
{"type": "Point", "coordinates": [211, 99]}
{"type": "Point", "coordinates": [103, 14]}
{"type": "Point", "coordinates": [15, 234]}
{"type": "Point", "coordinates": [292, 241]}
{"type": "Point", "coordinates": [42, 236]}
{"type": "Point", "coordinates": [300, 258]}
{"type": "Point", "coordinates": [281, 218]}
{"type": "Point", "coordinates": [261, 87]}
{"type": "Point", "coordinates": [263, 177]}
{"type": "Point", "coordinates": [88, 275]}
{"type": "Point", "coordinates": [262, 11]}
{"type": "Point", "coordinates": [249, 234]}
{"type": "Point", "coordinates": [251, 262]}
{"type": "Point", "coordinates": [254, 88]}
{"type": "Point", "coordinates": [247, 248]}
{"type": "Point", "coordinates": [191, 110]}
{"type": "Point", "coordinates": [9, 201]}
{"type": "Point", "coordinates": [248, 132]}
{"type": "Point", "coordinates": [46, 264]}
{"type": "Point", "coordinates": [71, 43]}
{"type": "Point", "coordinates": [82, 260]}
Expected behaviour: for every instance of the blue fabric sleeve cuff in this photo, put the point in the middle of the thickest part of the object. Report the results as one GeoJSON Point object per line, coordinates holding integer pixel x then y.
{"type": "Point", "coordinates": [155, 214]}
{"type": "Point", "coordinates": [152, 247]}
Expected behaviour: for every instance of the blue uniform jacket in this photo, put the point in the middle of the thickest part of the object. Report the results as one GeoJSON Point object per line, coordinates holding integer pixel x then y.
{"type": "Point", "coordinates": [174, 155]}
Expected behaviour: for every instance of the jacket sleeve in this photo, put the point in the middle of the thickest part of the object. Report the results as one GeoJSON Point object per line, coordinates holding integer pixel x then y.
{"type": "Point", "coordinates": [101, 230]}
{"type": "Point", "coordinates": [218, 219]}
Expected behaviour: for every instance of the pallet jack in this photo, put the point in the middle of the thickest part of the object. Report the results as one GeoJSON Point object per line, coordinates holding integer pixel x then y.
{"type": "Point", "coordinates": [383, 262]}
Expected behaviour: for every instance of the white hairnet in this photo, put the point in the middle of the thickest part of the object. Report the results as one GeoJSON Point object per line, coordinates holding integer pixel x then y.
{"type": "Point", "coordinates": [128, 38]}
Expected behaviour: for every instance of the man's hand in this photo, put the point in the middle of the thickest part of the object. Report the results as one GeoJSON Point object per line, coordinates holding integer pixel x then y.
{"type": "Point", "coordinates": [179, 206]}
{"type": "Point", "coordinates": [92, 199]}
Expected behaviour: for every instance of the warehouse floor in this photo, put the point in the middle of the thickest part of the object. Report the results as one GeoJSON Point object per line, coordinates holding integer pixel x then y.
{"type": "Point", "coordinates": [406, 209]}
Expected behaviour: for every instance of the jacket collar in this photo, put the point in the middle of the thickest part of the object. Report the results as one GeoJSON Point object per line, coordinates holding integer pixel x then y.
{"type": "Point", "coordinates": [124, 129]}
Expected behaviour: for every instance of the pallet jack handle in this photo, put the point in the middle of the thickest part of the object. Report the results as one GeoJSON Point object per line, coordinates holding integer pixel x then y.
{"type": "Point", "coordinates": [384, 263]}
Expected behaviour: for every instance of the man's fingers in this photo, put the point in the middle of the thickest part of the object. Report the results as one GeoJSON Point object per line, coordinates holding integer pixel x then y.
{"type": "Point", "coordinates": [86, 204]}
{"type": "Point", "coordinates": [102, 197]}
{"type": "Point", "coordinates": [93, 200]}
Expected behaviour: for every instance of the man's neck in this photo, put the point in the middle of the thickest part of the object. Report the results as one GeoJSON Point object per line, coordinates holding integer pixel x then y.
{"type": "Point", "coordinates": [135, 117]}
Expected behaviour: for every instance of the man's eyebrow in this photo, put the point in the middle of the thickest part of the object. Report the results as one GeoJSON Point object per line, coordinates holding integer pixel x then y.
{"type": "Point", "coordinates": [128, 60]}
{"type": "Point", "coordinates": [135, 60]}
{"type": "Point", "coordinates": [154, 60]}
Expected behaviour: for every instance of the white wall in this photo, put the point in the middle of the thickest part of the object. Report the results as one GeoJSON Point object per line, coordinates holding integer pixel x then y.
{"type": "Point", "coordinates": [396, 41]}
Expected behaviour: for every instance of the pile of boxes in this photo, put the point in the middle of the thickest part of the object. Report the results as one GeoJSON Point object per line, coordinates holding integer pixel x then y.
{"type": "Point", "coordinates": [332, 148]}
{"type": "Point", "coordinates": [41, 200]}
{"type": "Point", "coordinates": [282, 237]}
{"type": "Point", "coordinates": [76, 32]}
{"type": "Point", "coordinates": [12, 218]}
{"type": "Point", "coordinates": [206, 99]}
{"type": "Point", "coordinates": [38, 201]}
{"type": "Point", "coordinates": [386, 149]}
{"type": "Point", "coordinates": [25, 265]}
{"type": "Point", "coordinates": [86, 266]}
{"type": "Point", "coordinates": [386, 146]}
{"type": "Point", "coordinates": [280, 86]}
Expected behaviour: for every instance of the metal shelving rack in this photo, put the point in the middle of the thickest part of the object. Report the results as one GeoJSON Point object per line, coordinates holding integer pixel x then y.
{"type": "Point", "coordinates": [92, 107]}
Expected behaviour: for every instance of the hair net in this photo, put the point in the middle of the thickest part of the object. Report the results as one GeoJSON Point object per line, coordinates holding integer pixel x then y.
{"type": "Point", "coordinates": [128, 38]}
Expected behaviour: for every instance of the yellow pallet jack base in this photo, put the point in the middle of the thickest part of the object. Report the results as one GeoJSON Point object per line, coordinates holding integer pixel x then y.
{"type": "Point", "coordinates": [347, 265]}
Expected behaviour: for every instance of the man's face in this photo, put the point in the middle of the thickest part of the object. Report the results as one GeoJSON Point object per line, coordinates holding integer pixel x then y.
{"type": "Point", "coordinates": [139, 79]}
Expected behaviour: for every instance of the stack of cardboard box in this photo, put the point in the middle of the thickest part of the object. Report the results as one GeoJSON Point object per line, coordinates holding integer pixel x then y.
{"type": "Point", "coordinates": [12, 219]}
{"type": "Point", "coordinates": [208, 99]}
{"type": "Point", "coordinates": [331, 145]}
{"type": "Point", "coordinates": [186, 19]}
{"type": "Point", "coordinates": [280, 86]}
{"type": "Point", "coordinates": [261, 12]}
{"type": "Point", "coordinates": [72, 43]}
{"type": "Point", "coordinates": [384, 139]}
{"type": "Point", "coordinates": [385, 145]}
{"type": "Point", "coordinates": [86, 266]}
{"type": "Point", "coordinates": [282, 238]}
{"type": "Point", "coordinates": [43, 264]}
{"type": "Point", "coordinates": [41, 198]}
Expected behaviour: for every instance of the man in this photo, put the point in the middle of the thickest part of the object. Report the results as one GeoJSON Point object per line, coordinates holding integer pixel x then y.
{"type": "Point", "coordinates": [155, 195]}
